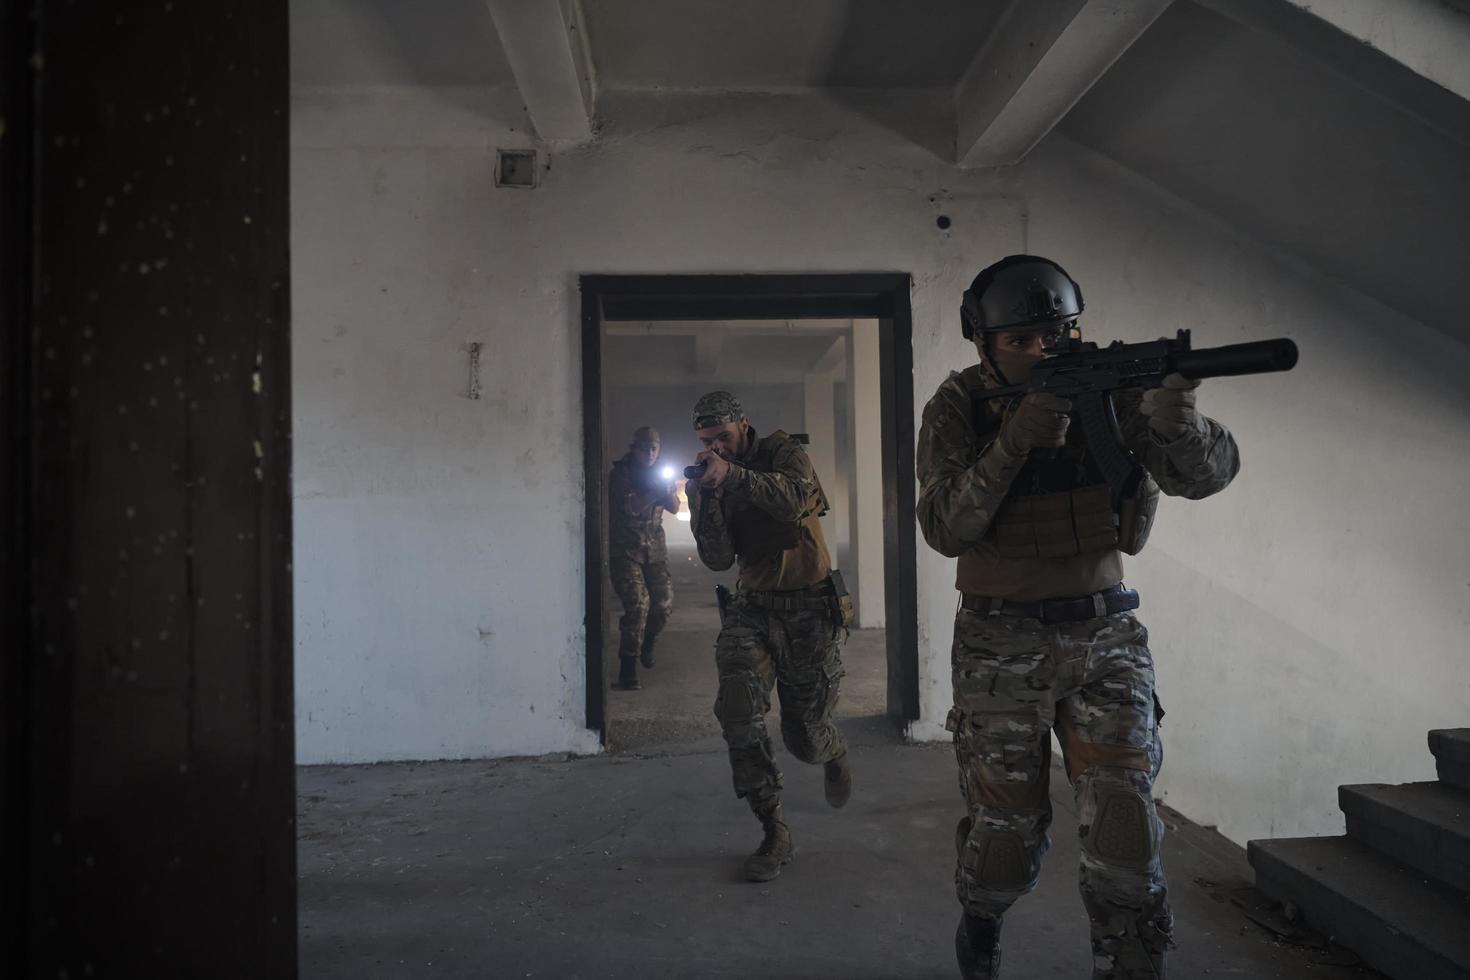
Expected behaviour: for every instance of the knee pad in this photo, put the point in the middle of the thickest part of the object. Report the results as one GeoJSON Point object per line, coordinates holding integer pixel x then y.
{"type": "Point", "coordinates": [1124, 834]}
{"type": "Point", "coordinates": [793, 733]}
{"type": "Point", "coordinates": [797, 735]}
{"type": "Point", "coordinates": [635, 618]}
{"type": "Point", "coordinates": [996, 861]}
{"type": "Point", "coordinates": [737, 704]}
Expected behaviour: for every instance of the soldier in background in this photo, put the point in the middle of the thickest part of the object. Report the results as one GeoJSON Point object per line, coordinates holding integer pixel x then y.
{"type": "Point", "coordinates": [758, 501]}
{"type": "Point", "coordinates": [1045, 637]}
{"type": "Point", "coordinates": [638, 557]}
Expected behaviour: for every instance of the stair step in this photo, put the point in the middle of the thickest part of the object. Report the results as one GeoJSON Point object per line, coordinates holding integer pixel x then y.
{"type": "Point", "coordinates": [1451, 748]}
{"type": "Point", "coordinates": [1399, 922]}
{"type": "Point", "coordinates": [1423, 825]}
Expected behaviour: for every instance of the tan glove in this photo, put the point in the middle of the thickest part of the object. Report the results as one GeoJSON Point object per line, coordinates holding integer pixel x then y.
{"type": "Point", "coordinates": [1039, 422]}
{"type": "Point", "coordinates": [1170, 409]}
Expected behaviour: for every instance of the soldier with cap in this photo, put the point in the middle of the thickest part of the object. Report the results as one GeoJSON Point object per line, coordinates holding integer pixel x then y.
{"type": "Point", "coordinates": [638, 557]}
{"type": "Point", "coordinates": [757, 502]}
{"type": "Point", "coordinates": [1045, 638]}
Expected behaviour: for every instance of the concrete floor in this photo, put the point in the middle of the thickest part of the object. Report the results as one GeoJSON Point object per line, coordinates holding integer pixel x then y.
{"type": "Point", "coordinates": [622, 867]}
{"type": "Point", "coordinates": [676, 704]}
{"type": "Point", "coordinates": [626, 865]}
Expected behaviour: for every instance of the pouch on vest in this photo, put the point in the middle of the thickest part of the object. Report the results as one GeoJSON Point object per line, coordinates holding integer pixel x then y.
{"type": "Point", "coordinates": [1136, 517]}
{"type": "Point", "coordinates": [1055, 525]}
{"type": "Point", "coordinates": [758, 536]}
{"type": "Point", "coordinates": [842, 612]}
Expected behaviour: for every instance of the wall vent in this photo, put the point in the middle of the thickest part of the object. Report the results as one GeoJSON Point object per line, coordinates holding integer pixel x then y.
{"type": "Point", "coordinates": [515, 168]}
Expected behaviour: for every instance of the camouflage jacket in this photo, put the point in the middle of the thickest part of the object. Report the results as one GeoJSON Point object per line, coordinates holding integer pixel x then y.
{"type": "Point", "coordinates": [635, 513]}
{"type": "Point", "coordinates": [964, 478]}
{"type": "Point", "coordinates": [765, 514]}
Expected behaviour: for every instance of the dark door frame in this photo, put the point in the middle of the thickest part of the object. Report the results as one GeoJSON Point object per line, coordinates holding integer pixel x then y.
{"type": "Point", "coordinates": [882, 296]}
{"type": "Point", "coordinates": [147, 777]}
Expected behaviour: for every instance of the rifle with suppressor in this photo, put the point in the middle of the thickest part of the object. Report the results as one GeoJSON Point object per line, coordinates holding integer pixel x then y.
{"type": "Point", "coordinates": [1087, 375]}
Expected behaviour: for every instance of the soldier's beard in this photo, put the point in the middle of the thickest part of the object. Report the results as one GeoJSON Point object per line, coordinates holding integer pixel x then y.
{"type": "Point", "coordinates": [1013, 369]}
{"type": "Point", "coordinates": [738, 449]}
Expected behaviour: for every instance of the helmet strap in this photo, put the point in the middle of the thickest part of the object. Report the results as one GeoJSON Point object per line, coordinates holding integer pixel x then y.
{"type": "Point", "coordinates": [987, 351]}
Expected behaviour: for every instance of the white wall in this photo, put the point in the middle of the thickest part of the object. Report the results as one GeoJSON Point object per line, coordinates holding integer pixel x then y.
{"type": "Point", "coordinates": [821, 428]}
{"type": "Point", "coordinates": [1308, 623]}
{"type": "Point", "coordinates": [867, 514]}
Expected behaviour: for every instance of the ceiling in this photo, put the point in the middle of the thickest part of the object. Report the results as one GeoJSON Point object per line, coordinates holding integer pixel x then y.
{"type": "Point", "coordinates": [761, 45]}
{"type": "Point", "coordinates": [1297, 134]}
{"type": "Point", "coordinates": [395, 42]}
{"type": "Point", "coordinates": [1302, 156]}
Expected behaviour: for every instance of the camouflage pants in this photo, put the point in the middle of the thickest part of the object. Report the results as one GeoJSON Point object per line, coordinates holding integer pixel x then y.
{"type": "Point", "coordinates": [648, 600]}
{"type": "Point", "coordinates": [1015, 681]}
{"type": "Point", "coordinates": [797, 653]}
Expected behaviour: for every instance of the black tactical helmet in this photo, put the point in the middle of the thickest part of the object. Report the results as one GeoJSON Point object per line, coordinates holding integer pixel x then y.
{"type": "Point", "coordinates": [1017, 292]}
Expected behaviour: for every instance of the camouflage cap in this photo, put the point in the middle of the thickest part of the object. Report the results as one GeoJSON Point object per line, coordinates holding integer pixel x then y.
{"type": "Point", "coordinates": [645, 436]}
{"type": "Point", "coordinates": [717, 408]}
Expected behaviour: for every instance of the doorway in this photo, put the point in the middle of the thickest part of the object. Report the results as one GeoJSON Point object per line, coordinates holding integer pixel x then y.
{"type": "Point", "coordinates": [840, 355]}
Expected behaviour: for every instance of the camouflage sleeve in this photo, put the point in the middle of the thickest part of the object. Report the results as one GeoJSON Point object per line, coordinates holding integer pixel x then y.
{"type": "Point", "coordinates": [785, 493]}
{"type": "Point", "coordinates": [1201, 462]}
{"type": "Point", "coordinates": [621, 492]}
{"type": "Point", "coordinates": [711, 533]}
{"type": "Point", "coordinates": [961, 483]}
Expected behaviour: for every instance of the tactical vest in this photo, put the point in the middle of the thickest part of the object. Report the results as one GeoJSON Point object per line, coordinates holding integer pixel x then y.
{"type": "Point", "coordinates": [1059, 505]}
{"type": "Point", "coordinates": [759, 537]}
{"type": "Point", "coordinates": [776, 554]}
{"type": "Point", "coordinates": [640, 534]}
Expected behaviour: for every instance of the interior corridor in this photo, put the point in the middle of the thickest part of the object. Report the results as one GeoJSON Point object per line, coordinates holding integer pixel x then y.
{"type": "Point", "coordinates": [674, 711]}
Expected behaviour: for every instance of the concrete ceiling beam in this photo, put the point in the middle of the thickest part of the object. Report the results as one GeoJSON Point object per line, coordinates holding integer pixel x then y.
{"type": "Point", "coordinates": [1037, 63]}
{"type": "Point", "coordinates": [546, 45]}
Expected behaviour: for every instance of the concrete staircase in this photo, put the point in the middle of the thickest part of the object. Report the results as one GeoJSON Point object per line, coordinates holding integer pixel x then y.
{"type": "Point", "coordinates": [1396, 889]}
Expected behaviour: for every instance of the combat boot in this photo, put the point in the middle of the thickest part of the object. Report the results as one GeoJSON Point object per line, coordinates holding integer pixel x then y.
{"type": "Point", "coordinates": [628, 674]}
{"type": "Point", "coordinates": [977, 947]}
{"type": "Point", "coordinates": [646, 657]}
{"type": "Point", "coordinates": [776, 849]}
{"type": "Point", "coordinates": [837, 780]}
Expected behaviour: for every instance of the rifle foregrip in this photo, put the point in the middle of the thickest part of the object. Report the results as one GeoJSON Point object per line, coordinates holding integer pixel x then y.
{"type": "Point", "coordinates": [1258, 357]}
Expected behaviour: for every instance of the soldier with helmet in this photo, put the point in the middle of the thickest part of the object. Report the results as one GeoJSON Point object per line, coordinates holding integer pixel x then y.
{"type": "Point", "coordinates": [638, 556]}
{"type": "Point", "coordinates": [1045, 638]}
{"type": "Point", "coordinates": [756, 500]}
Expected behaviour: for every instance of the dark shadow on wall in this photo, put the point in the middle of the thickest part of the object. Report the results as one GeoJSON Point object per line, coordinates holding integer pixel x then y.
{"type": "Point", "coordinates": [897, 65]}
{"type": "Point", "coordinates": [448, 48]}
